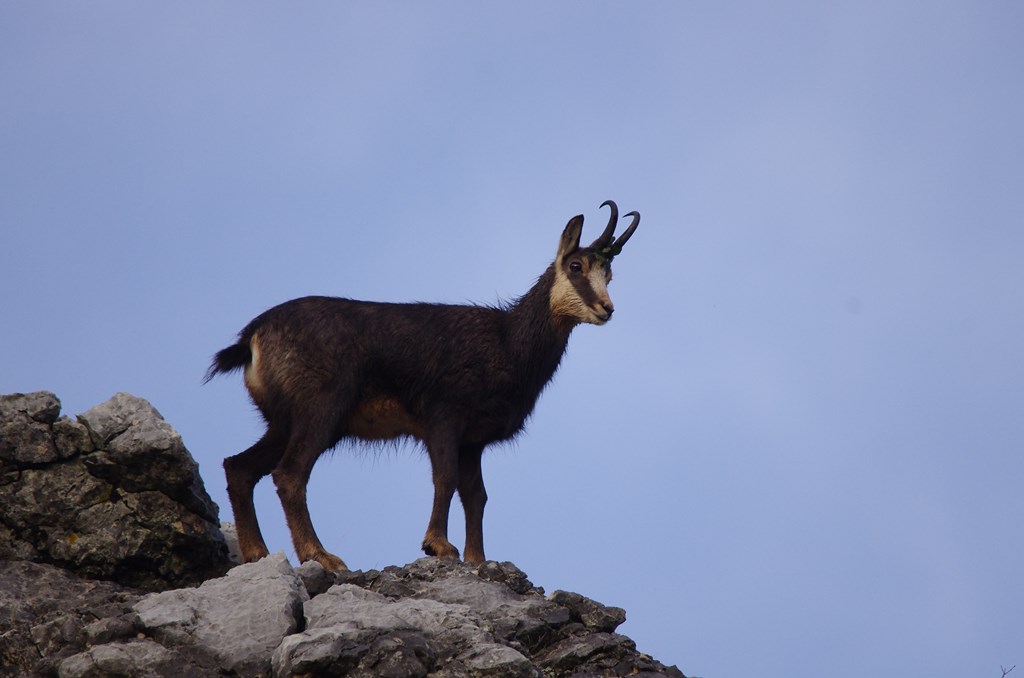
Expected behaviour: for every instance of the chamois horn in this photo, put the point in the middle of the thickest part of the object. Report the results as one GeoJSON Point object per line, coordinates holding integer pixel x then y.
{"type": "Point", "coordinates": [617, 246]}
{"type": "Point", "coordinates": [605, 238]}
{"type": "Point", "coordinates": [603, 246]}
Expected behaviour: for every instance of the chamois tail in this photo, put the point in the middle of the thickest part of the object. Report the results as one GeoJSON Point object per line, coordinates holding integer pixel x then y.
{"type": "Point", "coordinates": [229, 359]}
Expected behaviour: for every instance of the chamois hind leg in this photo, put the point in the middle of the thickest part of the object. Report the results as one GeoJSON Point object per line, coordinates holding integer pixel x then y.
{"type": "Point", "coordinates": [473, 496]}
{"type": "Point", "coordinates": [291, 477]}
{"type": "Point", "coordinates": [243, 471]}
{"type": "Point", "coordinates": [444, 464]}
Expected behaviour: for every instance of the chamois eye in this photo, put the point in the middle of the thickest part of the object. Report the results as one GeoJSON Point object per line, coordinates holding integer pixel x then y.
{"type": "Point", "coordinates": [575, 267]}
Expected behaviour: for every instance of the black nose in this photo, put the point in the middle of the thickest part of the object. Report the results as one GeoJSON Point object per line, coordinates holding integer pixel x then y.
{"type": "Point", "coordinates": [609, 309]}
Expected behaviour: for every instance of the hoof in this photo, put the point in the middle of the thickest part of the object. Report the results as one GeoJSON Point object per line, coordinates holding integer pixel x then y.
{"type": "Point", "coordinates": [444, 550]}
{"type": "Point", "coordinates": [252, 555]}
{"type": "Point", "coordinates": [475, 558]}
{"type": "Point", "coordinates": [329, 561]}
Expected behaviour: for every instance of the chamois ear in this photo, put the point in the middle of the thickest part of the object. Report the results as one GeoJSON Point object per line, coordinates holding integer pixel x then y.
{"type": "Point", "coordinates": [570, 241]}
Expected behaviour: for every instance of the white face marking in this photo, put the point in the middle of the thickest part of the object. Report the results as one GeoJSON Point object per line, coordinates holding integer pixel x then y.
{"type": "Point", "coordinates": [566, 301]}
{"type": "Point", "coordinates": [598, 278]}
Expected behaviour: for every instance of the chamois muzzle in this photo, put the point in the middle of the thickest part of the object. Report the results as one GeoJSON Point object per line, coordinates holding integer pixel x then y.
{"type": "Point", "coordinates": [603, 246]}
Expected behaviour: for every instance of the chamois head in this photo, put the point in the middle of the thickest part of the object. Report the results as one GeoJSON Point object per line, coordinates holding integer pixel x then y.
{"type": "Point", "coordinates": [579, 293]}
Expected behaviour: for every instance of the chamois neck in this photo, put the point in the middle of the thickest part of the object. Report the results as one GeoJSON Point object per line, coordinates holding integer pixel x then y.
{"type": "Point", "coordinates": [538, 337]}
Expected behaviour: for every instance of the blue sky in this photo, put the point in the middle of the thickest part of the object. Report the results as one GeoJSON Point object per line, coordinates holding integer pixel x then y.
{"type": "Point", "coordinates": [797, 448]}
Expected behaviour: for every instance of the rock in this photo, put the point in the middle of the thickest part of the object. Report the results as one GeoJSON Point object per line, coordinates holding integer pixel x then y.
{"type": "Point", "coordinates": [25, 421]}
{"type": "Point", "coordinates": [444, 618]}
{"type": "Point", "coordinates": [42, 407]}
{"type": "Point", "coordinates": [315, 578]}
{"type": "Point", "coordinates": [71, 437]}
{"type": "Point", "coordinates": [130, 658]}
{"type": "Point", "coordinates": [590, 613]}
{"type": "Point", "coordinates": [139, 656]}
{"type": "Point", "coordinates": [491, 659]}
{"type": "Point", "coordinates": [116, 498]}
{"type": "Point", "coordinates": [258, 620]}
{"type": "Point", "coordinates": [117, 415]}
{"type": "Point", "coordinates": [238, 619]}
{"type": "Point", "coordinates": [231, 539]}
{"type": "Point", "coordinates": [138, 451]}
{"type": "Point", "coordinates": [602, 651]}
{"type": "Point", "coordinates": [114, 495]}
{"type": "Point", "coordinates": [48, 614]}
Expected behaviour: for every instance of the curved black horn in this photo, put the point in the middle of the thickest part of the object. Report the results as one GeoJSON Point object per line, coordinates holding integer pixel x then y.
{"type": "Point", "coordinates": [617, 247]}
{"type": "Point", "coordinates": [605, 238]}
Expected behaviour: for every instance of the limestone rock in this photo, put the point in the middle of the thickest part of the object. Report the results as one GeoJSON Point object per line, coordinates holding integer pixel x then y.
{"type": "Point", "coordinates": [141, 657]}
{"type": "Point", "coordinates": [238, 619]}
{"type": "Point", "coordinates": [25, 422]}
{"type": "Point", "coordinates": [114, 495]}
{"type": "Point", "coordinates": [592, 614]}
{"type": "Point", "coordinates": [441, 618]}
{"type": "Point", "coordinates": [46, 614]}
{"type": "Point", "coordinates": [259, 620]}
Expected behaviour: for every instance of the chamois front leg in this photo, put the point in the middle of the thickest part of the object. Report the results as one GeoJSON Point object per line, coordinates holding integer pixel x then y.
{"type": "Point", "coordinates": [444, 464]}
{"type": "Point", "coordinates": [291, 477]}
{"type": "Point", "coordinates": [473, 496]}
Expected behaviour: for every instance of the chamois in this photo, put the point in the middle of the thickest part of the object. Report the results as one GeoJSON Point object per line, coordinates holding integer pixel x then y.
{"type": "Point", "coordinates": [455, 377]}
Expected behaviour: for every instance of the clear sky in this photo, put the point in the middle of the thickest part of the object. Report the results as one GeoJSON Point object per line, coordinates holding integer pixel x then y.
{"type": "Point", "coordinates": [797, 449]}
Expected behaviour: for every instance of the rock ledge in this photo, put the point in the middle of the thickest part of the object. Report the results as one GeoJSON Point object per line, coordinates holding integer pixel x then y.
{"type": "Point", "coordinates": [112, 563]}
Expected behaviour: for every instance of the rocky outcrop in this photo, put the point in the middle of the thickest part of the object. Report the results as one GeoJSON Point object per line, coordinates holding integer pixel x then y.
{"type": "Point", "coordinates": [430, 618]}
{"type": "Point", "coordinates": [82, 610]}
{"type": "Point", "coordinates": [238, 619]}
{"type": "Point", "coordinates": [441, 618]}
{"type": "Point", "coordinates": [112, 495]}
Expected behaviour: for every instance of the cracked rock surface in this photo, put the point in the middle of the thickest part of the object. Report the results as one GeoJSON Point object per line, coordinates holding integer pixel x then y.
{"type": "Point", "coordinates": [440, 618]}
{"type": "Point", "coordinates": [432, 618]}
{"type": "Point", "coordinates": [111, 495]}
{"type": "Point", "coordinates": [128, 579]}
